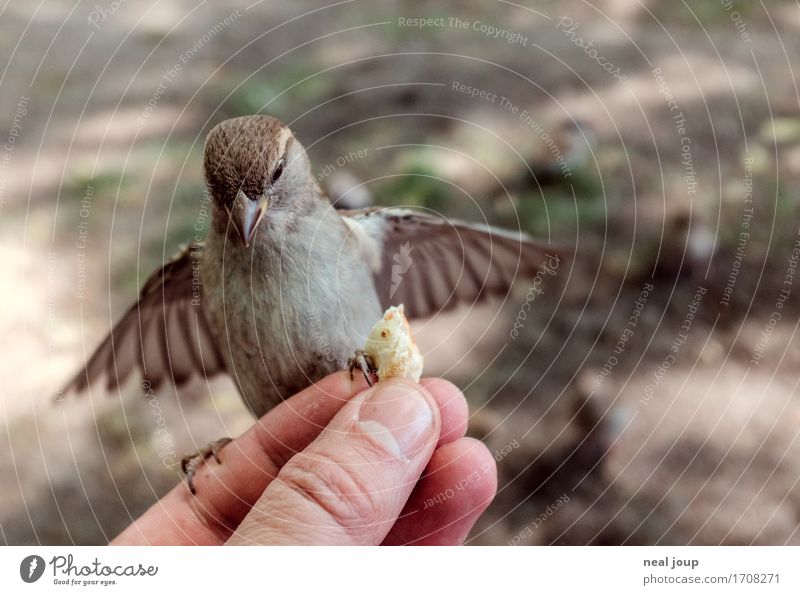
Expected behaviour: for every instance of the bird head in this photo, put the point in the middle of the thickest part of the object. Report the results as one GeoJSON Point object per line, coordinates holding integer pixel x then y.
{"type": "Point", "coordinates": [254, 169]}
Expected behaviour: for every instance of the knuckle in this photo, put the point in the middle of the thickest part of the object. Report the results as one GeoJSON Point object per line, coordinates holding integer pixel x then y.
{"type": "Point", "coordinates": [343, 491]}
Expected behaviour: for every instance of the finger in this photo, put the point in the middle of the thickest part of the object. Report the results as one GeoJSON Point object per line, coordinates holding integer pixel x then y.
{"type": "Point", "coordinates": [351, 483]}
{"type": "Point", "coordinates": [225, 493]}
{"type": "Point", "coordinates": [457, 486]}
{"type": "Point", "coordinates": [453, 408]}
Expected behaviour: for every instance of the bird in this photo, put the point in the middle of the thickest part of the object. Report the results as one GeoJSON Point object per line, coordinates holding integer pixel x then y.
{"type": "Point", "coordinates": [285, 287]}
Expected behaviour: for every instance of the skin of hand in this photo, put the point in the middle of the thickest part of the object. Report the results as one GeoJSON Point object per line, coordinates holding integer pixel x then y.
{"type": "Point", "coordinates": [337, 464]}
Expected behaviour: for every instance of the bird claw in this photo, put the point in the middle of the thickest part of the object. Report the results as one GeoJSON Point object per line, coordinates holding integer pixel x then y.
{"type": "Point", "coordinates": [192, 462]}
{"type": "Point", "coordinates": [364, 362]}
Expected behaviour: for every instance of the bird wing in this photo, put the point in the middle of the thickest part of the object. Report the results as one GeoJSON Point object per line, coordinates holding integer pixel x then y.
{"type": "Point", "coordinates": [431, 264]}
{"type": "Point", "coordinates": [165, 335]}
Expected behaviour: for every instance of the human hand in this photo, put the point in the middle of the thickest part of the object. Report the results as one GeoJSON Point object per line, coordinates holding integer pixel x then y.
{"type": "Point", "coordinates": [323, 469]}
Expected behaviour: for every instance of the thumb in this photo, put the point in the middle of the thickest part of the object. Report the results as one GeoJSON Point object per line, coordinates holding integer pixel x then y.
{"type": "Point", "coordinates": [351, 483]}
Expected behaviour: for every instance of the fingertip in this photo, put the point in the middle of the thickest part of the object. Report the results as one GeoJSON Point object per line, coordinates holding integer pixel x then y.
{"type": "Point", "coordinates": [469, 462]}
{"type": "Point", "coordinates": [474, 453]}
{"type": "Point", "coordinates": [458, 485]}
{"type": "Point", "coordinates": [453, 408]}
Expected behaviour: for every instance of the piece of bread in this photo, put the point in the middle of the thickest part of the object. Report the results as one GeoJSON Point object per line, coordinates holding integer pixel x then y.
{"type": "Point", "coordinates": [392, 347]}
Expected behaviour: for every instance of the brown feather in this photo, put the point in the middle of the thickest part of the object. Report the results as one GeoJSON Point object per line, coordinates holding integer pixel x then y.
{"type": "Point", "coordinates": [155, 336]}
{"type": "Point", "coordinates": [452, 262]}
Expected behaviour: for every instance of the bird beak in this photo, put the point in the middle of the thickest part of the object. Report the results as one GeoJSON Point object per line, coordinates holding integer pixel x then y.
{"type": "Point", "coordinates": [246, 214]}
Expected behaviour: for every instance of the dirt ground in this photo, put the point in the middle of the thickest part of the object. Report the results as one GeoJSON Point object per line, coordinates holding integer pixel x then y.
{"type": "Point", "coordinates": [646, 395]}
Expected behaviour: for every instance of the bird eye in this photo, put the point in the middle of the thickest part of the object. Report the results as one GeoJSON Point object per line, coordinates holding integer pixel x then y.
{"type": "Point", "coordinates": [278, 171]}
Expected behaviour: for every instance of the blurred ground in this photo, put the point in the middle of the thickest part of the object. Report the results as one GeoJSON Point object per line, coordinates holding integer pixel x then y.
{"type": "Point", "coordinates": [648, 395]}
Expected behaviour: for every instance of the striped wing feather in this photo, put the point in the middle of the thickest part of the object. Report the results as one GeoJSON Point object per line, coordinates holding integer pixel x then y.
{"type": "Point", "coordinates": [431, 264]}
{"type": "Point", "coordinates": [164, 336]}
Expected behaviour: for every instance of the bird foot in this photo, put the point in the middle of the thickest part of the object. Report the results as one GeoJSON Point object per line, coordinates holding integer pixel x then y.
{"type": "Point", "coordinates": [364, 362]}
{"type": "Point", "coordinates": [192, 462]}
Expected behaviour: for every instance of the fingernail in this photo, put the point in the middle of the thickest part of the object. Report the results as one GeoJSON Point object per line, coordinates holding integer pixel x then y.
{"type": "Point", "coordinates": [398, 416]}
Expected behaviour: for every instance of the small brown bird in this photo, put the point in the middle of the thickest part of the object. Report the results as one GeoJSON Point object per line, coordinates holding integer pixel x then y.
{"type": "Point", "coordinates": [285, 287]}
